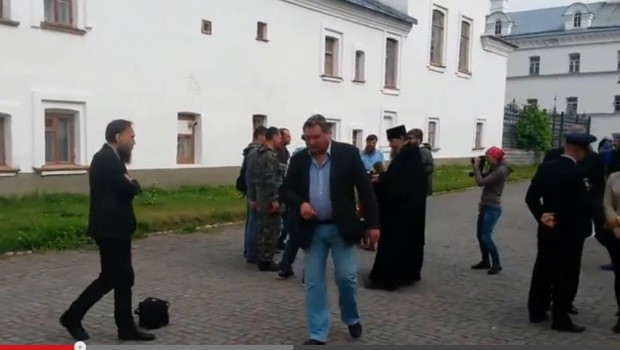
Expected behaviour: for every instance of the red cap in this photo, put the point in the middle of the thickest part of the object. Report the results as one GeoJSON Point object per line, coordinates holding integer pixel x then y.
{"type": "Point", "coordinates": [496, 153]}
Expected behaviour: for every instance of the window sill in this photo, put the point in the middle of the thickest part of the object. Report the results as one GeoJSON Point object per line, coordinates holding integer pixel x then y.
{"type": "Point", "coordinates": [8, 22]}
{"type": "Point", "coordinates": [331, 78]}
{"type": "Point", "coordinates": [390, 91]}
{"type": "Point", "coordinates": [359, 82]}
{"type": "Point", "coordinates": [190, 166]}
{"type": "Point", "coordinates": [6, 171]}
{"type": "Point", "coordinates": [61, 169]}
{"type": "Point", "coordinates": [438, 69]}
{"type": "Point", "coordinates": [62, 28]}
{"type": "Point", "coordinates": [262, 40]}
{"type": "Point", "coordinates": [477, 149]}
{"type": "Point", "coordinates": [464, 75]}
{"type": "Point", "coordinates": [435, 149]}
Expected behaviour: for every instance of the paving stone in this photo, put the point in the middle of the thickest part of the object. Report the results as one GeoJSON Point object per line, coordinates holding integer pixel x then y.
{"type": "Point", "coordinates": [218, 299]}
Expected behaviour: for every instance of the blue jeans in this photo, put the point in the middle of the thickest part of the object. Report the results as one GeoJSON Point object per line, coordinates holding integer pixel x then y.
{"type": "Point", "coordinates": [251, 227]}
{"type": "Point", "coordinates": [487, 219]}
{"type": "Point", "coordinates": [328, 237]}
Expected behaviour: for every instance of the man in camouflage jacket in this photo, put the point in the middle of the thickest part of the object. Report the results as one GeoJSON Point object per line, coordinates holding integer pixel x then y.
{"type": "Point", "coordinates": [268, 172]}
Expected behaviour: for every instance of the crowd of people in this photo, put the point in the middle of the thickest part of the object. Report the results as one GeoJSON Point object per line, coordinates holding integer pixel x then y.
{"type": "Point", "coordinates": [329, 197]}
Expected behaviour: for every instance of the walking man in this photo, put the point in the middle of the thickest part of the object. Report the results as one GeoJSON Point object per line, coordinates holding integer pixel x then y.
{"type": "Point", "coordinates": [320, 187]}
{"type": "Point", "coordinates": [268, 175]}
{"type": "Point", "coordinates": [111, 222]}
{"type": "Point", "coordinates": [251, 221]}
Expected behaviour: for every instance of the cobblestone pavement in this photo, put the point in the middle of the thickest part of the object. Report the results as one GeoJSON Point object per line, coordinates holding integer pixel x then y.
{"type": "Point", "coordinates": [218, 299]}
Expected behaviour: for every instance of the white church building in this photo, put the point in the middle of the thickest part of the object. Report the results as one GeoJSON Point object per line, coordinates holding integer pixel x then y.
{"type": "Point", "coordinates": [568, 58]}
{"type": "Point", "coordinates": [197, 76]}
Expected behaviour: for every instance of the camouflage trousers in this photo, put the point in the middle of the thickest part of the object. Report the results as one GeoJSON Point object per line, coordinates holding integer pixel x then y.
{"type": "Point", "coordinates": [267, 236]}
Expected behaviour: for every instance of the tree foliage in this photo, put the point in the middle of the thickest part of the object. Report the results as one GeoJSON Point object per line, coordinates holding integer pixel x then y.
{"type": "Point", "coordinates": [533, 130]}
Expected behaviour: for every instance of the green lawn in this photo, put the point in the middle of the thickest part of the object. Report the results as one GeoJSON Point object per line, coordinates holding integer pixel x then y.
{"type": "Point", "coordinates": [58, 221]}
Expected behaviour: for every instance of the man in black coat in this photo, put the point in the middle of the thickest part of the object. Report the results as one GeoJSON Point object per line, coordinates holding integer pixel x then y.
{"type": "Point", "coordinates": [593, 168]}
{"type": "Point", "coordinates": [401, 192]}
{"type": "Point", "coordinates": [111, 223]}
{"type": "Point", "coordinates": [319, 187]}
{"type": "Point", "coordinates": [558, 199]}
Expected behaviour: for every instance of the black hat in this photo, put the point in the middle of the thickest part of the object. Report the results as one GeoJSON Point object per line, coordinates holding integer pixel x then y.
{"type": "Point", "coordinates": [580, 139]}
{"type": "Point", "coordinates": [396, 132]}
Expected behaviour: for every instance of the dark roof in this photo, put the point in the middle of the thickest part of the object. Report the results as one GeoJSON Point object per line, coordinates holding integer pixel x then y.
{"type": "Point", "coordinates": [551, 20]}
{"type": "Point", "coordinates": [383, 9]}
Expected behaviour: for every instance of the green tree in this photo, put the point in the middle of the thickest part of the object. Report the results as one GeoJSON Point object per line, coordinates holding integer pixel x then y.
{"type": "Point", "coordinates": [533, 130]}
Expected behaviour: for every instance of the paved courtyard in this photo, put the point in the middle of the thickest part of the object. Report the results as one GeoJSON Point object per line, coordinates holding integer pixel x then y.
{"type": "Point", "coordinates": [218, 299]}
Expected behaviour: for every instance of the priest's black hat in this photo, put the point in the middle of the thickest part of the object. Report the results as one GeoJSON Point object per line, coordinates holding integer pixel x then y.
{"type": "Point", "coordinates": [396, 132]}
{"type": "Point", "coordinates": [580, 139]}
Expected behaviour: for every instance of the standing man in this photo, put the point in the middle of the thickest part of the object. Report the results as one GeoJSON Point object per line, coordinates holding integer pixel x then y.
{"type": "Point", "coordinates": [320, 187]}
{"type": "Point", "coordinates": [111, 223]}
{"type": "Point", "coordinates": [614, 161]}
{"type": "Point", "coordinates": [283, 156]}
{"type": "Point", "coordinates": [559, 201]}
{"type": "Point", "coordinates": [593, 169]}
{"type": "Point", "coordinates": [268, 174]}
{"type": "Point", "coordinates": [251, 222]}
{"type": "Point", "coordinates": [402, 204]}
{"type": "Point", "coordinates": [415, 137]}
{"type": "Point", "coordinates": [371, 155]}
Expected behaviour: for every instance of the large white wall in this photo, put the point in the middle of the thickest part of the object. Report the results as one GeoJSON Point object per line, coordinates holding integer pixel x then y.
{"type": "Point", "coordinates": [595, 86]}
{"type": "Point", "coordinates": [147, 61]}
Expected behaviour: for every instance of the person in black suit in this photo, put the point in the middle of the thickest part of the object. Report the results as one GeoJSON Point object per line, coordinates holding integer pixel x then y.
{"type": "Point", "coordinates": [558, 199]}
{"type": "Point", "coordinates": [111, 223]}
{"type": "Point", "coordinates": [401, 192]}
{"type": "Point", "coordinates": [319, 187]}
{"type": "Point", "coordinates": [593, 168]}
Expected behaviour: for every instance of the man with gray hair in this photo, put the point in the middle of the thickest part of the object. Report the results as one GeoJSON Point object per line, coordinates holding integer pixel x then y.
{"type": "Point", "coordinates": [593, 168]}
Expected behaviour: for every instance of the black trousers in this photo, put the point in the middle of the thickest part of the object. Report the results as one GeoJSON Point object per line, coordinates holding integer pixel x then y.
{"type": "Point", "coordinates": [576, 268]}
{"type": "Point", "coordinates": [553, 275]}
{"type": "Point", "coordinates": [116, 274]}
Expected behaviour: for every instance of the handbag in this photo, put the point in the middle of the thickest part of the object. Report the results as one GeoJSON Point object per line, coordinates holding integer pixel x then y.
{"type": "Point", "coordinates": [153, 313]}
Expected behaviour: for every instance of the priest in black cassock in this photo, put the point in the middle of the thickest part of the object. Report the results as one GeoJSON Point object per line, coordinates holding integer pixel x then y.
{"type": "Point", "coordinates": [401, 192]}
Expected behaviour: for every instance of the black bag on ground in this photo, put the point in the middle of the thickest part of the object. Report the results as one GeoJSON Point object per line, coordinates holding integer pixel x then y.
{"type": "Point", "coordinates": [153, 313]}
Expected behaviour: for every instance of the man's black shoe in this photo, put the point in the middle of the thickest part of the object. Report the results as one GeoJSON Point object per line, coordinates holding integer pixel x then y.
{"type": "Point", "coordinates": [282, 275]}
{"type": "Point", "coordinates": [313, 342]}
{"type": "Point", "coordinates": [483, 265]}
{"type": "Point", "coordinates": [355, 330]}
{"type": "Point", "coordinates": [268, 266]}
{"type": "Point", "coordinates": [135, 335]}
{"type": "Point", "coordinates": [73, 327]}
{"type": "Point", "coordinates": [539, 318]}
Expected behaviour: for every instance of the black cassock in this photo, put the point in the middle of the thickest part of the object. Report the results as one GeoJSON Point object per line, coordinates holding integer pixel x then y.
{"type": "Point", "coordinates": [401, 192]}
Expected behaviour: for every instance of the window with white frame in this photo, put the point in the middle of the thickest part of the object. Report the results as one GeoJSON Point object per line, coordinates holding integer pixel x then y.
{"type": "Point", "coordinates": [532, 102]}
{"type": "Point", "coordinates": [334, 128]}
{"type": "Point", "coordinates": [577, 20]}
{"type": "Point", "coordinates": [388, 121]}
{"type": "Point", "coordinates": [465, 47]}
{"type": "Point", "coordinates": [617, 103]}
{"type": "Point", "coordinates": [391, 63]}
{"type": "Point", "coordinates": [498, 27]}
{"type": "Point", "coordinates": [574, 62]}
{"type": "Point", "coordinates": [357, 138]}
{"type": "Point", "coordinates": [534, 65]}
{"type": "Point", "coordinates": [438, 33]}
{"type": "Point", "coordinates": [261, 31]}
{"type": "Point", "coordinates": [60, 12]}
{"type": "Point", "coordinates": [571, 105]}
{"type": "Point", "coordinates": [432, 133]}
{"type": "Point", "coordinates": [479, 138]}
{"type": "Point", "coordinates": [187, 137]}
{"type": "Point", "coordinates": [360, 66]}
{"type": "Point", "coordinates": [332, 48]}
{"type": "Point", "coordinates": [60, 137]}
{"type": "Point", "coordinates": [258, 120]}
{"type": "Point", "coordinates": [4, 9]}
{"type": "Point", "coordinates": [4, 129]}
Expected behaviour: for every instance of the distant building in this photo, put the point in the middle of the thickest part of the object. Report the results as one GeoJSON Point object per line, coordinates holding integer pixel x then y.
{"type": "Point", "coordinates": [568, 58]}
{"type": "Point", "coordinates": [197, 76]}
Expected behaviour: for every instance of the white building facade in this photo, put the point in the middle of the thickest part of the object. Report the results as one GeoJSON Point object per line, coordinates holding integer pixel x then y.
{"type": "Point", "coordinates": [568, 58]}
{"type": "Point", "coordinates": [197, 78]}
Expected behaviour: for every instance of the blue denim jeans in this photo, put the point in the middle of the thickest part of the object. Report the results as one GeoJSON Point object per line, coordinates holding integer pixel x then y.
{"type": "Point", "coordinates": [487, 219]}
{"type": "Point", "coordinates": [249, 241]}
{"type": "Point", "coordinates": [326, 238]}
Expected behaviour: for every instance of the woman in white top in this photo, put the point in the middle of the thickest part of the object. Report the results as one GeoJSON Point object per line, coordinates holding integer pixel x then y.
{"type": "Point", "coordinates": [612, 216]}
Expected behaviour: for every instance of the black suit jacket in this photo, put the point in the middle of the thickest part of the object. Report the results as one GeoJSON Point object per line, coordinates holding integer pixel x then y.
{"type": "Point", "coordinates": [593, 167]}
{"type": "Point", "coordinates": [111, 212]}
{"type": "Point", "coordinates": [347, 174]}
{"type": "Point", "coordinates": [559, 187]}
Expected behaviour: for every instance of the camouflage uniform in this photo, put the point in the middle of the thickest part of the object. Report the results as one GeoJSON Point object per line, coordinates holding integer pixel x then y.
{"type": "Point", "coordinates": [268, 175]}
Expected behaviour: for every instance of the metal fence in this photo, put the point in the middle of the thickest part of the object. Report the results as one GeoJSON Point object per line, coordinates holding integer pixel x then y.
{"type": "Point", "coordinates": [560, 124]}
